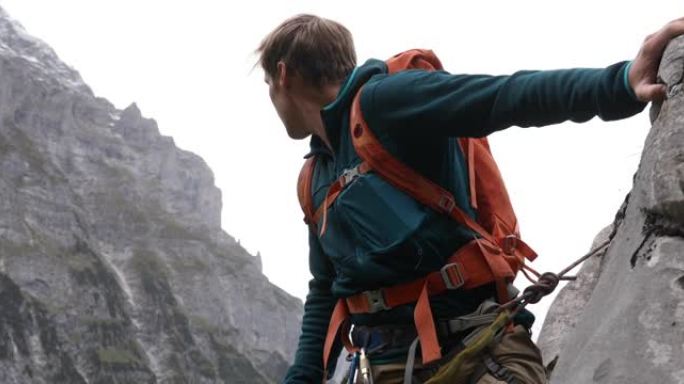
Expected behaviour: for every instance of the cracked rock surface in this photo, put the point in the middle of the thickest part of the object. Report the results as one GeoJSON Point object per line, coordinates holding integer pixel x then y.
{"type": "Point", "coordinates": [113, 264]}
{"type": "Point", "coordinates": [622, 321]}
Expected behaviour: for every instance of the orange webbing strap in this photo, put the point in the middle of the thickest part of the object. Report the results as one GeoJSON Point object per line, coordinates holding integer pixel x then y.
{"type": "Point", "coordinates": [403, 177]}
{"type": "Point", "coordinates": [305, 196]}
{"type": "Point", "coordinates": [472, 182]}
{"type": "Point", "coordinates": [473, 265]}
{"type": "Point", "coordinates": [330, 197]}
{"type": "Point", "coordinates": [425, 326]}
{"type": "Point", "coordinates": [409, 292]}
{"type": "Point", "coordinates": [333, 191]}
{"type": "Point", "coordinates": [304, 189]}
{"type": "Point", "coordinates": [502, 266]}
{"type": "Point", "coordinates": [319, 214]}
{"type": "Point", "coordinates": [338, 320]}
{"type": "Point", "coordinates": [494, 209]}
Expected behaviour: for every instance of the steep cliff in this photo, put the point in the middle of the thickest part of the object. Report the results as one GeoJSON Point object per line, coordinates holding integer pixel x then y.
{"type": "Point", "coordinates": [621, 321]}
{"type": "Point", "coordinates": [113, 264]}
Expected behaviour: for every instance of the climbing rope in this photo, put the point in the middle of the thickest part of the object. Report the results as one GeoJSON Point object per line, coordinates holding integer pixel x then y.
{"type": "Point", "coordinates": [545, 283]}
{"type": "Point", "coordinates": [542, 286]}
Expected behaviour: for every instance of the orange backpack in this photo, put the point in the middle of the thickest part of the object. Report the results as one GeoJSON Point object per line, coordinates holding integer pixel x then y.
{"type": "Point", "coordinates": [496, 256]}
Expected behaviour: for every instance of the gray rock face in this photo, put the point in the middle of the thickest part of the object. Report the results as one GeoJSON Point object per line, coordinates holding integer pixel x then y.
{"type": "Point", "coordinates": [113, 265]}
{"type": "Point", "coordinates": [622, 321]}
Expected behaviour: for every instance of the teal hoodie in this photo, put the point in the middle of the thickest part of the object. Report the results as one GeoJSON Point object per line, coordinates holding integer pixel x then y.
{"type": "Point", "coordinates": [377, 236]}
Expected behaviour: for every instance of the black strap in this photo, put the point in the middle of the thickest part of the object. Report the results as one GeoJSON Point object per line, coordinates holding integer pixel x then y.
{"type": "Point", "coordinates": [499, 371]}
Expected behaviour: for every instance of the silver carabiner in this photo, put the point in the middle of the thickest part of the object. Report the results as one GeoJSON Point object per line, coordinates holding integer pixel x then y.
{"type": "Point", "coordinates": [365, 368]}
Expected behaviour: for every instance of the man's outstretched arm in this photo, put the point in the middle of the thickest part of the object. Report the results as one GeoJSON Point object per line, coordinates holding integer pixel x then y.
{"type": "Point", "coordinates": [438, 103]}
{"type": "Point", "coordinates": [428, 104]}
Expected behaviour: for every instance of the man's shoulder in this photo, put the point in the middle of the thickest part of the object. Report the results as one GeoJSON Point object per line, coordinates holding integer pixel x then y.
{"type": "Point", "coordinates": [401, 89]}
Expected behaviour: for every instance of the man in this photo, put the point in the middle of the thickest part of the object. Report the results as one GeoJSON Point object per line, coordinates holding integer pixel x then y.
{"type": "Point", "coordinates": [374, 236]}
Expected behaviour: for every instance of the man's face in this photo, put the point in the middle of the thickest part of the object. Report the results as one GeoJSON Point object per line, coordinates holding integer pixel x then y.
{"type": "Point", "coordinates": [284, 102]}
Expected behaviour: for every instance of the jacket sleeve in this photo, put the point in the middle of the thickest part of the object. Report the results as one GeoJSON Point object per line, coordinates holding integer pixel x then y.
{"type": "Point", "coordinates": [308, 363]}
{"type": "Point", "coordinates": [476, 105]}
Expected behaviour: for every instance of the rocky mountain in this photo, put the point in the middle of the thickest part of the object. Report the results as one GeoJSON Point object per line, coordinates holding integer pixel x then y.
{"type": "Point", "coordinates": [113, 264]}
{"type": "Point", "coordinates": [622, 321]}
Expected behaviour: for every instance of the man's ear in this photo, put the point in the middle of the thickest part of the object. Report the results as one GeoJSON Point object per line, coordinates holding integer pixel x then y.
{"type": "Point", "coordinates": [283, 77]}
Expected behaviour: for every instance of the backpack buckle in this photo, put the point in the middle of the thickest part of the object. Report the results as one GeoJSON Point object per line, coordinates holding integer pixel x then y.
{"type": "Point", "coordinates": [376, 301]}
{"type": "Point", "coordinates": [349, 174]}
{"type": "Point", "coordinates": [452, 275]}
{"type": "Point", "coordinates": [510, 242]}
{"type": "Point", "coordinates": [446, 203]}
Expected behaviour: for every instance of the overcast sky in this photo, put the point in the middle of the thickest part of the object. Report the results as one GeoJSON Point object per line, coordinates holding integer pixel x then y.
{"type": "Point", "coordinates": [188, 65]}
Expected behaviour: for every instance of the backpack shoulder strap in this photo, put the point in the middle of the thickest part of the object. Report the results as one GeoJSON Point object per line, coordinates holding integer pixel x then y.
{"type": "Point", "coordinates": [402, 176]}
{"type": "Point", "coordinates": [304, 189]}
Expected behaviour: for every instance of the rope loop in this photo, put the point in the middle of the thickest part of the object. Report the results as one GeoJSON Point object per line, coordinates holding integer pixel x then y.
{"type": "Point", "coordinates": [545, 285]}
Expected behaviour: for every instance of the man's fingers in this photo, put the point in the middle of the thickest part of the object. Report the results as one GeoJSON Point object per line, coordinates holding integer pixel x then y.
{"type": "Point", "coordinates": [642, 74]}
{"type": "Point", "coordinates": [659, 40]}
{"type": "Point", "coordinates": [651, 92]}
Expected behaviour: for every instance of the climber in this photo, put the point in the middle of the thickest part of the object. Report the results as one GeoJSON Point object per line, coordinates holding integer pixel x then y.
{"type": "Point", "coordinates": [370, 237]}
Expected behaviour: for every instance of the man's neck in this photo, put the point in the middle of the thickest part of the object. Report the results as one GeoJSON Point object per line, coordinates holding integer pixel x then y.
{"type": "Point", "coordinates": [317, 99]}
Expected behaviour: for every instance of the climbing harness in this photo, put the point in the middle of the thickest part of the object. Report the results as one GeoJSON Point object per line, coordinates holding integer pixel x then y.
{"type": "Point", "coordinates": [482, 328]}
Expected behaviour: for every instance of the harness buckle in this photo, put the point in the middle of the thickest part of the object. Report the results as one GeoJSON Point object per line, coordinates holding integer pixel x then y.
{"type": "Point", "coordinates": [376, 301]}
{"type": "Point", "coordinates": [510, 242]}
{"type": "Point", "coordinates": [452, 275]}
{"type": "Point", "coordinates": [446, 203]}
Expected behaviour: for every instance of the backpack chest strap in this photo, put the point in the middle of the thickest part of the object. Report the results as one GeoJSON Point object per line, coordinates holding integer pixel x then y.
{"type": "Point", "coordinates": [334, 191]}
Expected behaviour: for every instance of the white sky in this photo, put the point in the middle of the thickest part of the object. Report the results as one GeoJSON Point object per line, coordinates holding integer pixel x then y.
{"type": "Point", "coordinates": [187, 64]}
